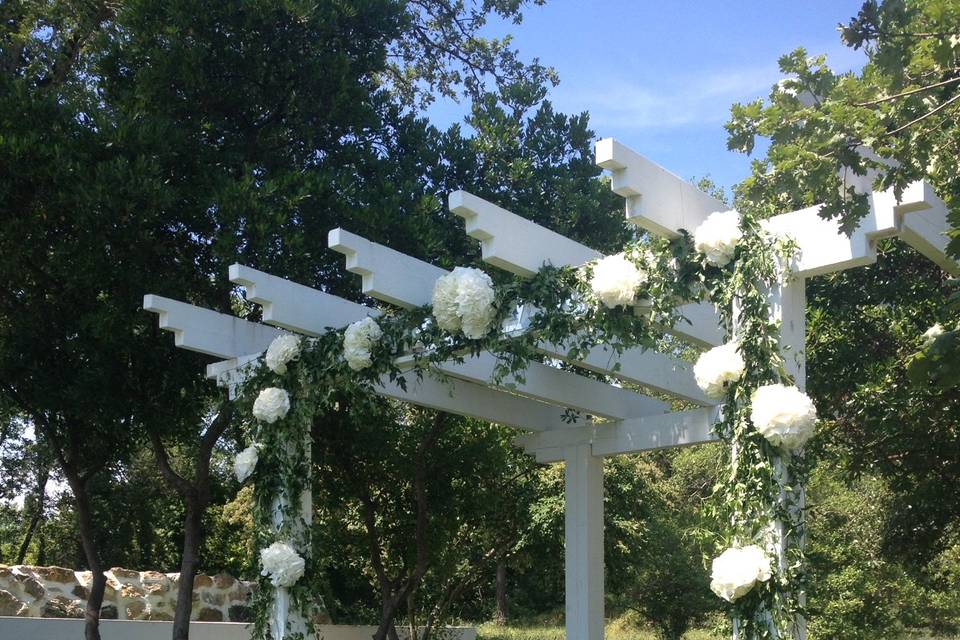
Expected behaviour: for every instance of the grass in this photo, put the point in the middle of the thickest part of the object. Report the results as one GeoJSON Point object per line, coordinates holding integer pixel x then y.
{"type": "Point", "coordinates": [490, 631]}
{"type": "Point", "coordinates": [619, 629]}
{"type": "Point", "coordinates": [613, 632]}
{"type": "Point", "coordinates": [623, 628]}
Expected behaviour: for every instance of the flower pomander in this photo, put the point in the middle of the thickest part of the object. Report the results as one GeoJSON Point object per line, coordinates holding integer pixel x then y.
{"type": "Point", "coordinates": [246, 462]}
{"type": "Point", "coordinates": [282, 350]}
{"type": "Point", "coordinates": [717, 368]}
{"type": "Point", "coordinates": [271, 405]}
{"type": "Point", "coordinates": [615, 281]}
{"type": "Point", "coordinates": [784, 415]}
{"type": "Point", "coordinates": [463, 301]}
{"type": "Point", "coordinates": [737, 570]}
{"type": "Point", "coordinates": [930, 335]}
{"type": "Point", "coordinates": [282, 563]}
{"type": "Point", "coordinates": [359, 338]}
{"type": "Point", "coordinates": [717, 237]}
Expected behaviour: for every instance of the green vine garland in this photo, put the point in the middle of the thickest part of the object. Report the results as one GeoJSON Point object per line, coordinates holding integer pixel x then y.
{"type": "Point", "coordinates": [760, 500]}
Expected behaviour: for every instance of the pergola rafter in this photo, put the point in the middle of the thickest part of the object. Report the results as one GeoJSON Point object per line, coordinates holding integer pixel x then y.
{"type": "Point", "coordinates": [657, 201]}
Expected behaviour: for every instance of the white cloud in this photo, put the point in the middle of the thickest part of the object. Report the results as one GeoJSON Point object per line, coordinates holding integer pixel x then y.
{"type": "Point", "coordinates": [618, 102]}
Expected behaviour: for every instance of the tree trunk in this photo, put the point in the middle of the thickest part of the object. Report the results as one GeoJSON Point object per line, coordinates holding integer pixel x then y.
{"type": "Point", "coordinates": [40, 500]}
{"type": "Point", "coordinates": [91, 629]}
{"type": "Point", "coordinates": [502, 615]}
{"type": "Point", "coordinates": [192, 537]}
{"type": "Point", "coordinates": [196, 495]}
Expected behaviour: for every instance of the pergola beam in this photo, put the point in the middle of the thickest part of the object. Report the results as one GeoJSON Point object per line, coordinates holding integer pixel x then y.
{"type": "Point", "coordinates": [521, 247]}
{"type": "Point", "coordinates": [657, 200]}
{"type": "Point", "coordinates": [542, 382]}
{"type": "Point", "coordinates": [241, 342]}
{"type": "Point", "coordinates": [375, 263]}
{"type": "Point", "coordinates": [209, 332]}
{"type": "Point", "coordinates": [677, 429]}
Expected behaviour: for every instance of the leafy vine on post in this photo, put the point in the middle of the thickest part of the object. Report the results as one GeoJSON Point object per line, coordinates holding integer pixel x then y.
{"type": "Point", "coordinates": [622, 301]}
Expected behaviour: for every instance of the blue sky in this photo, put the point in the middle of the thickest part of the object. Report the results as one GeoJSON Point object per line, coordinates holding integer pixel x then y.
{"type": "Point", "coordinates": [661, 76]}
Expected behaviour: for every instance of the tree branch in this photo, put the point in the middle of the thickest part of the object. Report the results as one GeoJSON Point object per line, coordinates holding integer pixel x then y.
{"type": "Point", "coordinates": [906, 93]}
{"type": "Point", "coordinates": [942, 106]}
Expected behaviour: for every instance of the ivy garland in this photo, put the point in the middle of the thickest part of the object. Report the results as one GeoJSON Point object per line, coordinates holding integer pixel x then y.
{"type": "Point", "coordinates": [760, 501]}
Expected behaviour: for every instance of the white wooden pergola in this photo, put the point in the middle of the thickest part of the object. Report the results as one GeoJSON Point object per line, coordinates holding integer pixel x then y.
{"type": "Point", "coordinates": [657, 201]}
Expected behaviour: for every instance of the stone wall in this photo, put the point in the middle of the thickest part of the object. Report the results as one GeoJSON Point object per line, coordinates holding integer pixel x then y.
{"type": "Point", "coordinates": [55, 592]}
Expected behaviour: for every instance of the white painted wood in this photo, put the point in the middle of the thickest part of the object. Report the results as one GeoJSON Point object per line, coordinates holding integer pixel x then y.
{"type": "Point", "coordinates": [479, 402]}
{"type": "Point", "coordinates": [387, 274]}
{"type": "Point", "coordinates": [638, 366]}
{"type": "Point", "coordinates": [512, 242]}
{"type": "Point", "coordinates": [295, 306]}
{"type": "Point", "coordinates": [925, 231]}
{"type": "Point", "coordinates": [701, 325]}
{"type": "Point", "coordinates": [919, 218]}
{"type": "Point", "coordinates": [788, 304]}
{"type": "Point", "coordinates": [209, 332]}
{"type": "Point", "coordinates": [657, 371]}
{"type": "Point", "coordinates": [677, 429]}
{"type": "Point", "coordinates": [523, 246]}
{"type": "Point", "coordinates": [545, 383]}
{"type": "Point", "coordinates": [562, 388]}
{"type": "Point", "coordinates": [583, 543]}
{"type": "Point", "coordinates": [657, 200]}
{"type": "Point", "coordinates": [475, 401]}
{"type": "Point", "coordinates": [285, 619]}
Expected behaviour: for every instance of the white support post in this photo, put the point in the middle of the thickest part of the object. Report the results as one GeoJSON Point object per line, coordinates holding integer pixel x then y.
{"type": "Point", "coordinates": [286, 621]}
{"type": "Point", "coordinates": [583, 486]}
{"type": "Point", "coordinates": [788, 303]}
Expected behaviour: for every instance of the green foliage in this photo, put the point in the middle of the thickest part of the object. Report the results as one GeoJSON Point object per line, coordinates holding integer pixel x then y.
{"type": "Point", "coordinates": [856, 592]}
{"type": "Point", "coordinates": [659, 571]}
{"type": "Point", "coordinates": [836, 136]}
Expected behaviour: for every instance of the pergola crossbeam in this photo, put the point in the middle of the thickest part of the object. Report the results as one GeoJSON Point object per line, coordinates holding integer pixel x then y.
{"type": "Point", "coordinates": [677, 429]}
{"type": "Point", "coordinates": [521, 247]}
{"type": "Point", "coordinates": [647, 368]}
{"type": "Point", "coordinates": [656, 199]}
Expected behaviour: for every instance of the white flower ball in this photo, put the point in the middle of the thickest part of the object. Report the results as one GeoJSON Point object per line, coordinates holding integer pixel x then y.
{"type": "Point", "coordinates": [785, 416]}
{"type": "Point", "coordinates": [445, 302]}
{"type": "Point", "coordinates": [463, 300]}
{"type": "Point", "coordinates": [717, 368]}
{"type": "Point", "coordinates": [930, 335]}
{"type": "Point", "coordinates": [359, 338]}
{"type": "Point", "coordinates": [737, 570]}
{"type": "Point", "coordinates": [717, 236]}
{"type": "Point", "coordinates": [245, 462]}
{"type": "Point", "coordinates": [282, 350]}
{"type": "Point", "coordinates": [475, 298]}
{"type": "Point", "coordinates": [282, 563]}
{"type": "Point", "coordinates": [271, 405]}
{"type": "Point", "coordinates": [615, 281]}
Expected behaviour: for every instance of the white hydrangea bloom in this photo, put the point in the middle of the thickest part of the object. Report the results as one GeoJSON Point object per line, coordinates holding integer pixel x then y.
{"type": "Point", "coordinates": [271, 405]}
{"type": "Point", "coordinates": [785, 416]}
{"type": "Point", "coordinates": [737, 570]}
{"type": "Point", "coordinates": [615, 281]}
{"type": "Point", "coordinates": [282, 563]}
{"type": "Point", "coordinates": [445, 302]}
{"type": "Point", "coordinates": [245, 462]}
{"type": "Point", "coordinates": [358, 341]}
{"type": "Point", "coordinates": [717, 236]}
{"type": "Point", "coordinates": [930, 335]}
{"type": "Point", "coordinates": [463, 300]}
{"type": "Point", "coordinates": [717, 368]}
{"type": "Point", "coordinates": [475, 298]}
{"type": "Point", "coordinates": [282, 350]}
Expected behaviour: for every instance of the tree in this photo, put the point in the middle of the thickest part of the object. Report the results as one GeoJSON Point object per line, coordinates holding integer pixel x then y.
{"type": "Point", "coordinates": [832, 137]}
{"type": "Point", "coordinates": [148, 146]}
{"type": "Point", "coordinates": [892, 124]}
